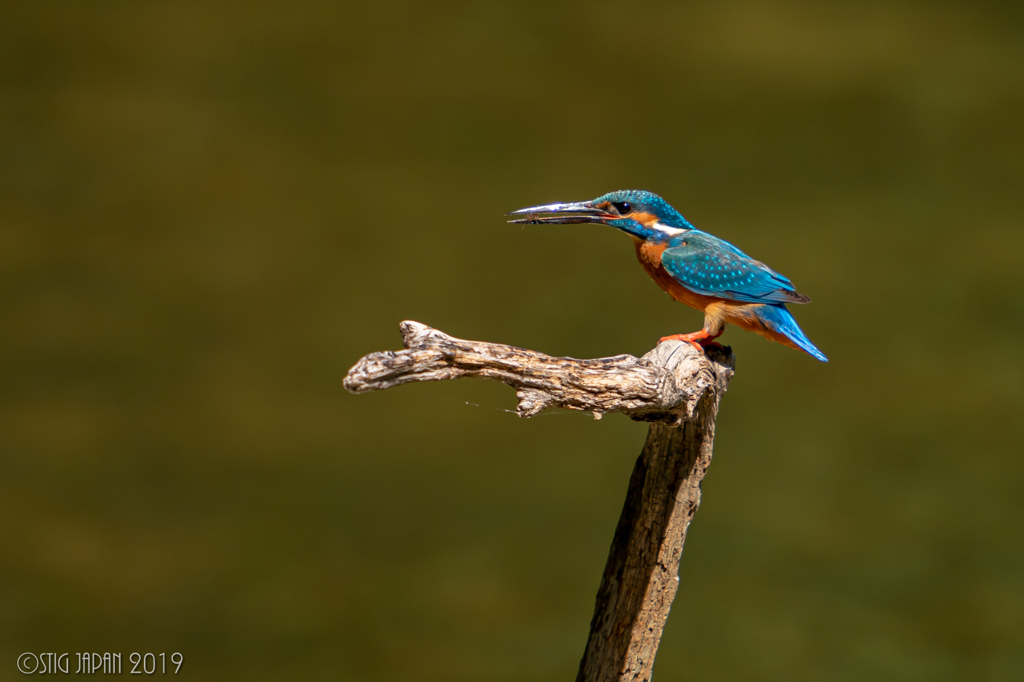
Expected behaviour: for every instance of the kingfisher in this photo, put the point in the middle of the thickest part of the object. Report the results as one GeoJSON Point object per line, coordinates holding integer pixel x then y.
{"type": "Point", "coordinates": [692, 266]}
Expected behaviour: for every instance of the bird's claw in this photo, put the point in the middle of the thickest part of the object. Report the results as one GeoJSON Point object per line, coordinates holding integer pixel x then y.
{"type": "Point", "coordinates": [699, 340]}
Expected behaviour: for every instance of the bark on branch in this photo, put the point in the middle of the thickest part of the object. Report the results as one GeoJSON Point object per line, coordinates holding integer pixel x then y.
{"type": "Point", "coordinates": [663, 385]}
{"type": "Point", "coordinates": [675, 387]}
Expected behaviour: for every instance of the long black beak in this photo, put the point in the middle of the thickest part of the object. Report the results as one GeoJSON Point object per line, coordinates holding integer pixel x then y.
{"type": "Point", "coordinates": [579, 212]}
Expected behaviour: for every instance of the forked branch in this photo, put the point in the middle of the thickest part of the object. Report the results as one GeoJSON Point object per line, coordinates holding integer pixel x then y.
{"type": "Point", "coordinates": [675, 387]}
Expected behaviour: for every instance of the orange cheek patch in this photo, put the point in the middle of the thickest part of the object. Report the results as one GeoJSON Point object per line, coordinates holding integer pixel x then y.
{"type": "Point", "coordinates": [647, 219]}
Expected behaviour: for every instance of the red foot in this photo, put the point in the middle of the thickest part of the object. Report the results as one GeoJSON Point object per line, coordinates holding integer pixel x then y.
{"type": "Point", "coordinates": [699, 340]}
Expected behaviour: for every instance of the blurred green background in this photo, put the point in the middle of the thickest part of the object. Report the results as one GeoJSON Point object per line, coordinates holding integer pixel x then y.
{"type": "Point", "coordinates": [209, 211]}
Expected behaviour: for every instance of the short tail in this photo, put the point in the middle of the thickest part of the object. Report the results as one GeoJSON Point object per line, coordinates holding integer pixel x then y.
{"type": "Point", "coordinates": [781, 321]}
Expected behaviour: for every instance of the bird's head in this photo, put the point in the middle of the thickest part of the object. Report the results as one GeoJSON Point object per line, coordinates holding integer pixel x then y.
{"type": "Point", "coordinates": [643, 215]}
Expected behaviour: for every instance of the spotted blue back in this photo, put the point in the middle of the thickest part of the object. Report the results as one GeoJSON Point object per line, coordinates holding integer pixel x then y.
{"type": "Point", "coordinates": [711, 266]}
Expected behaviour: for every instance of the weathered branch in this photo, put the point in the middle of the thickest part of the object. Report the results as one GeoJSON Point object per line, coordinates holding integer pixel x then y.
{"type": "Point", "coordinates": [663, 385]}
{"type": "Point", "coordinates": [674, 386]}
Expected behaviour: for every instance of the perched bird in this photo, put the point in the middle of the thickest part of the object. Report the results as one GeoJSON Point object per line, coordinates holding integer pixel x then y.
{"type": "Point", "coordinates": [693, 267]}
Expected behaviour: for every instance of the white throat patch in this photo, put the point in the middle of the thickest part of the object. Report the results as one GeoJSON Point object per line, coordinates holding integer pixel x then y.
{"type": "Point", "coordinates": [666, 230]}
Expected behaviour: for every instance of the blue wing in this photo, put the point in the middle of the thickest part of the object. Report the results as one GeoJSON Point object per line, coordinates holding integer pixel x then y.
{"type": "Point", "coordinates": [710, 266]}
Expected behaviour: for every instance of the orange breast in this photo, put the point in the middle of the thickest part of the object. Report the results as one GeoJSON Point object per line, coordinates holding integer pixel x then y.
{"type": "Point", "coordinates": [717, 311]}
{"type": "Point", "coordinates": [649, 256]}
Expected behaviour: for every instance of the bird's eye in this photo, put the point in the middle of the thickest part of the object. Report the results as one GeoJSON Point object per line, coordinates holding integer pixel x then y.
{"type": "Point", "coordinates": [622, 207]}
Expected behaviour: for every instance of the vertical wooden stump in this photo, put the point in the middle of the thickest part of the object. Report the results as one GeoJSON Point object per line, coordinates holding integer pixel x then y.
{"type": "Point", "coordinates": [642, 574]}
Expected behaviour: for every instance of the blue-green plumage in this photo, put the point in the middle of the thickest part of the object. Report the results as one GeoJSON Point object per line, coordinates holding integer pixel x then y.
{"type": "Point", "coordinates": [713, 267]}
{"type": "Point", "coordinates": [692, 266]}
